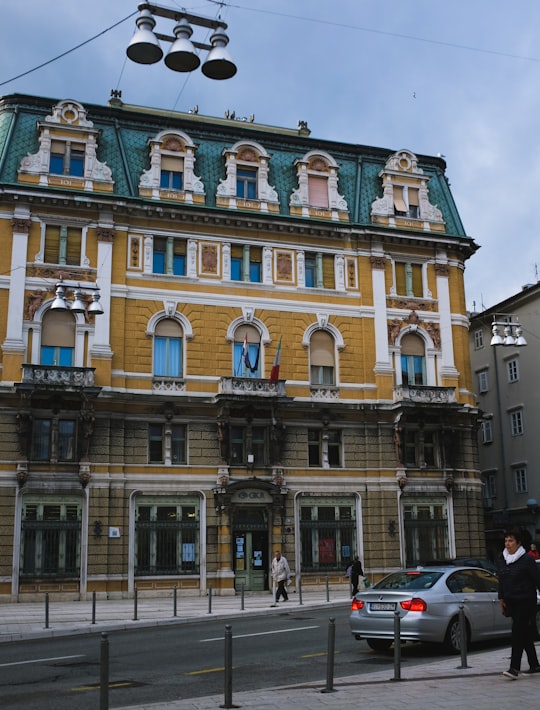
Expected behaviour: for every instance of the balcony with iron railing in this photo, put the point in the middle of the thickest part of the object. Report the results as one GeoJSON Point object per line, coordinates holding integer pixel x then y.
{"type": "Point", "coordinates": [424, 394]}
{"type": "Point", "coordinates": [57, 377]}
{"type": "Point", "coordinates": [251, 386]}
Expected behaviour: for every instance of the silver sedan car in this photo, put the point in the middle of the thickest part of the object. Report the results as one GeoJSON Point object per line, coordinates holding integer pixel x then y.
{"type": "Point", "coordinates": [428, 600]}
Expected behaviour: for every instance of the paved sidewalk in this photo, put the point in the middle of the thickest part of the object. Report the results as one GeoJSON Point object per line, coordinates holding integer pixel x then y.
{"type": "Point", "coordinates": [437, 685]}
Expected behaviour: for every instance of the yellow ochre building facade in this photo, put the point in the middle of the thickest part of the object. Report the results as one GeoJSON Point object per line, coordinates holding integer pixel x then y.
{"type": "Point", "coordinates": [220, 338]}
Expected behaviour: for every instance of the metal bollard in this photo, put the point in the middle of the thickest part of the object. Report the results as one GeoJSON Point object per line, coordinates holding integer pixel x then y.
{"type": "Point", "coordinates": [242, 597]}
{"type": "Point", "coordinates": [174, 601]}
{"type": "Point", "coordinates": [299, 586]}
{"type": "Point", "coordinates": [330, 656]}
{"type": "Point", "coordinates": [227, 702]}
{"type": "Point", "coordinates": [46, 610]}
{"type": "Point", "coordinates": [135, 595]}
{"type": "Point", "coordinates": [327, 589]}
{"type": "Point", "coordinates": [94, 607]}
{"type": "Point", "coordinates": [463, 634]}
{"type": "Point", "coordinates": [209, 600]}
{"type": "Point", "coordinates": [397, 646]}
{"type": "Point", "coordinates": [104, 673]}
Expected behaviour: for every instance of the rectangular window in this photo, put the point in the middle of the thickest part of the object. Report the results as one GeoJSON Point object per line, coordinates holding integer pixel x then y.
{"type": "Point", "coordinates": [324, 448]}
{"type": "Point", "coordinates": [50, 539]}
{"type": "Point", "coordinates": [246, 183]}
{"type": "Point", "coordinates": [421, 448]}
{"type": "Point", "coordinates": [167, 356]}
{"type": "Point", "coordinates": [250, 368]}
{"type": "Point", "coordinates": [166, 537]}
{"type": "Point", "coordinates": [491, 485]}
{"type": "Point", "coordinates": [478, 339]}
{"type": "Point", "coordinates": [67, 158]}
{"type": "Point", "coordinates": [483, 381]}
{"type": "Point", "coordinates": [169, 256]}
{"type": "Point", "coordinates": [59, 356]}
{"type": "Point", "coordinates": [322, 375]}
{"type": "Point", "coordinates": [520, 480]}
{"type": "Point", "coordinates": [487, 431]}
{"type": "Point", "coordinates": [327, 535]}
{"type": "Point", "coordinates": [54, 440]}
{"type": "Point", "coordinates": [516, 422]}
{"type": "Point", "coordinates": [409, 279]}
{"type": "Point", "coordinates": [248, 446]}
{"type": "Point", "coordinates": [512, 370]}
{"type": "Point", "coordinates": [310, 271]}
{"type": "Point", "coordinates": [63, 245]}
{"type": "Point", "coordinates": [413, 370]}
{"type": "Point", "coordinates": [426, 531]}
{"type": "Point", "coordinates": [167, 444]}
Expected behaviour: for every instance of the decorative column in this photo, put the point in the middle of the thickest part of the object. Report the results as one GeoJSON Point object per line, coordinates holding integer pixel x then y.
{"type": "Point", "coordinates": [14, 347]}
{"type": "Point", "coordinates": [383, 366]}
{"type": "Point", "coordinates": [100, 351]}
{"type": "Point", "coordinates": [447, 370]}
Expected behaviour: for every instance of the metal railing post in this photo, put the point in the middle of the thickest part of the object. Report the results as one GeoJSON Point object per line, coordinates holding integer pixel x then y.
{"type": "Point", "coordinates": [327, 589]}
{"type": "Point", "coordinates": [135, 600]}
{"type": "Point", "coordinates": [46, 610]}
{"type": "Point", "coordinates": [175, 602]}
{"type": "Point", "coordinates": [330, 656]}
{"type": "Point", "coordinates": [209, 600]}
{"type": "Point", "coordinates": [227, 702]}
{"type": "Point", "coordinates": [397, 646]}
{"type": "Point", "coordinates": [299, 586]}
{"type": "Point", "coordinates": [104, 673]}
{"type": "Point", "coordinates": [93, 607]}
{"type": "Point", "coordinates": [242, 597]}
{"type": "Point", "coordinates": [463, 634]}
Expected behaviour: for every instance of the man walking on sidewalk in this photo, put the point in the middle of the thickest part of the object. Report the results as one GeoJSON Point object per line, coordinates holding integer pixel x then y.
{"type": "Point", "coordinates": [280, 573]}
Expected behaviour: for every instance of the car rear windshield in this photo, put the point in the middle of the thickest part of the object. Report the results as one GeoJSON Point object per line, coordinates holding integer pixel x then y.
{"type": "Point", "coordinates": [409, 579]}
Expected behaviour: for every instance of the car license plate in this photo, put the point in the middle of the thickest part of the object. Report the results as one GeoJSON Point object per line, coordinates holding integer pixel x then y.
{"type": "Point", "coordinates": [382, 606]}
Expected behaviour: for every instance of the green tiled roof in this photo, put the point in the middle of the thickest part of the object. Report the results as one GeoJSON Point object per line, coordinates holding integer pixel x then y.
{"type": "Point", "coordinates": [123, 145]}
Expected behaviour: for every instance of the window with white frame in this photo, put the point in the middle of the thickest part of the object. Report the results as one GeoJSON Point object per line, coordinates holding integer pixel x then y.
{"type": "Point", "coordinates": [168, 337]}
{"type": "Point", "coordinates": [520, 480]}
{"type": "Point", "coordinates": [50, 537]}
{"type": "Point", "coordinates": [322, 364]}
{"type": "Point", "coordinates": [425, 525]}
{"type": "Point", "coordinates": [324, 448]}
{"type": "Point", "coordinates": [169, 256]}
{"type": "Point", "coordinates": [247, 172]}
{"type": "Point", "coordinates": [54, 439]}
{"type": "Point", "coordinates": [516, 422]}
{"type": "Point", "coordinates": [483, 381]}
{"type": "Point", "coordinates": [413, 360]}
{"type": "Point", "coordinates": [478, 339]}
{"type": "Point", "coordinates": [327, 533]}
{"type": "Point", "coordinates": [512, 370]}
{"type": "Point", "coordinates": [58, 339]}
{"type": "Point", "coordinates": [167, 536]}
{"type": "Point", "coordinates": [487, 431]}
{"type": "Point", "coordinates": [246, 263]}
{"type": "Point", "coordinates": [247, 352]}
{"type": "Point", "coordinates": [62, 245]}
{"type": "Point", "coordinates": [408, 279]}
{"type": "Point", "coordinates": [421, 448]}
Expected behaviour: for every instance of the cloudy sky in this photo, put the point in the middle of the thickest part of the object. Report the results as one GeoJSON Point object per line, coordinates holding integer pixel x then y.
{"type": "Point", "coordinates": [458, 78]}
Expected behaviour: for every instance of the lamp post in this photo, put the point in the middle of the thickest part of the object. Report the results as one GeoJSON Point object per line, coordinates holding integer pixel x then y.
{"type": "Point", "coordinates": [144, 47]}
{"type": "Point", "coordinates": [513, 336]}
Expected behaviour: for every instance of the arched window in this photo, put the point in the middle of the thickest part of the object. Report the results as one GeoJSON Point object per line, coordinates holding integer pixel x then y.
{"type": "Point", "coordinates": [247, 352]}
{"type": "Point", "coordinates": [413, 360]}
{"type": "Point", "coordinates": [58, 339]}
{"type": "Point", "coordinates": [322, 358]}
{"type": "Point", "coordinates": [168, 349]}
{"type": "Point", "coordinates": [317, 192]}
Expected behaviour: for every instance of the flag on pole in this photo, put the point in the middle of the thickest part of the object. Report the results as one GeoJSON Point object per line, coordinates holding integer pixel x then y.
{"type": "Point", "coordinates": [274, 374]}
{"type": "Point", "coordinates": [245, 353]}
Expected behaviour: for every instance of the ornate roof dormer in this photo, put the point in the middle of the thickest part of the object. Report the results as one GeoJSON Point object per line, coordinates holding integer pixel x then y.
{"type": "Point", "coordinates": [405, 201]}
{"type": "Point", "coordinates": [67, 155]}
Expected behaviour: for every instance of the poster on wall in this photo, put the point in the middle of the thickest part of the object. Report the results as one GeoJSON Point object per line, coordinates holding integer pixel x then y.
{"type": "Point", "coordinates": [327, 551]}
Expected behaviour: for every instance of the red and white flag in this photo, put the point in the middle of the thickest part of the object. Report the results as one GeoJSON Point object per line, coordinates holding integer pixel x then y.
{"type": "Point", "coordinates": [274, 374]}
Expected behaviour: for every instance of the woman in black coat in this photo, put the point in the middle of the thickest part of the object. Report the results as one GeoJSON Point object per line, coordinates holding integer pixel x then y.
{"type": "Point", "coordinates": [519, 578]}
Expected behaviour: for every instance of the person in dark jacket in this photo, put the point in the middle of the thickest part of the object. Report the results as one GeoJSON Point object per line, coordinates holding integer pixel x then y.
{"type": "Point", "coordinates": [356, 572]}
{"type": "Point", "coordinates": [519, 578]}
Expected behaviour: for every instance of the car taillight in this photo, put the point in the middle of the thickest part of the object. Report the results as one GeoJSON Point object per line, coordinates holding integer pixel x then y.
{"type": "Point", "coordinates": [357, 604]}
{"type": "Point", "coordinates": [414, 604]}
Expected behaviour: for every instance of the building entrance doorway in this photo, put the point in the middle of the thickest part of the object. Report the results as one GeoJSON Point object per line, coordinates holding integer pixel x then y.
{"type": "Point", "coordinates": [250, 549]}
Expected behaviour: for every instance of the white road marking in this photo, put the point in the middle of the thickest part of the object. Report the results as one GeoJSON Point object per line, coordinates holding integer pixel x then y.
{"type": "Point", "coordinates": [262, 633]}
{"type": "Point", "coordinates": [40, 660]}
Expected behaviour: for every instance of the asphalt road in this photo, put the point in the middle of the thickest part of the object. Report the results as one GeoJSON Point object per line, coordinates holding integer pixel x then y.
{"type": "Point", "coordinates": [186, 660]}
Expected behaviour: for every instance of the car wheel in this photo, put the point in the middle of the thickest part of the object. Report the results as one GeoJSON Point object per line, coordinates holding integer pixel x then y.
{"type": "Point", "coordinates": [452, 640]}
{"type": "Point", "coordinates": [379, 644]}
